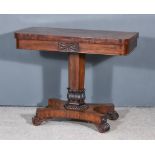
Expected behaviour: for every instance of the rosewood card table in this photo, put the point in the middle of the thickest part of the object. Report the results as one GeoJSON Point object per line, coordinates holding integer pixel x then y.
{"type": "Point", "coordinates": [76, 43]}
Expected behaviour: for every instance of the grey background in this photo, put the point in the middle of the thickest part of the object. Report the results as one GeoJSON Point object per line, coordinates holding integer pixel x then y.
{"type": "Point", "coordinates": [29, 78]}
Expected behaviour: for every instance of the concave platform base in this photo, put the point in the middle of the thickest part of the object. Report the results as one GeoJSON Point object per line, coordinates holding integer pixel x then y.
{"type": "Point", "coordinates": [96, 113]}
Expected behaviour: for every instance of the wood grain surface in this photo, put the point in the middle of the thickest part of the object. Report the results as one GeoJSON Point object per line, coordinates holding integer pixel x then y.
{"type": "Point", "coordinates": [89, 41]}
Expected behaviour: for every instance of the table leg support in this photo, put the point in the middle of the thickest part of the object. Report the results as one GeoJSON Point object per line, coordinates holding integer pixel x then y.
{"type": "Point", "coordinates": [75, 106]}
{"type": "Point", "coordinates": [96, 114]}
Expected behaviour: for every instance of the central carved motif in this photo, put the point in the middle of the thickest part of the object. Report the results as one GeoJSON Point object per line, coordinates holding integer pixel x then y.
{"type": "Point", "coordinates": [68, 47]}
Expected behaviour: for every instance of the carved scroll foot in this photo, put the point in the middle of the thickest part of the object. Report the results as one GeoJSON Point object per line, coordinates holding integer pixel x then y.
{"type": "Point", "coordinates": [36, 121]}
{"type": "Point", "coordinates": [112, 115]}
{"type": "Point", "coordinates": [103, 126]}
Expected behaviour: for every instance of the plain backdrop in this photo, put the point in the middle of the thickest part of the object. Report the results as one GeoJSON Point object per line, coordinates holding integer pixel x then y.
{"type": "Point", "coordinates": [29, 78]}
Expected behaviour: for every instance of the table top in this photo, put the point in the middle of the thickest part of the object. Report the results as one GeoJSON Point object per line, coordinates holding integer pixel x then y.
{"type": "Point", "coordinates": [77, 40]}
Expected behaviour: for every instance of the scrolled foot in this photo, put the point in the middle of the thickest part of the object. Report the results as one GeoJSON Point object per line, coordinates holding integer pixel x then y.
{"type": "Point", "coordinates": [36, 121]}
{"type": "Point", "coordinates": [103, 126]}
{"type": "Point", "coordinates": [112, 115]}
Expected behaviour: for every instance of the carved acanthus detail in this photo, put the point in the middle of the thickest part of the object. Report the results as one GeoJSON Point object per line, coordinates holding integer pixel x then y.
{"type": "Point", "coordinates": [68, 47]}
{"type": "Point", "coordinates": [76, 100]}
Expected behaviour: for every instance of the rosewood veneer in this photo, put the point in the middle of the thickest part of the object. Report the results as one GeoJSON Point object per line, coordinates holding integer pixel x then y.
{"type": "Point", "coordinates": [77, 43]}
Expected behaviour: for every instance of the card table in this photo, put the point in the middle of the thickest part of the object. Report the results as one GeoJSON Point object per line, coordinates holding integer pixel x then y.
{"type": "Point", "coordinates": [76, 43]}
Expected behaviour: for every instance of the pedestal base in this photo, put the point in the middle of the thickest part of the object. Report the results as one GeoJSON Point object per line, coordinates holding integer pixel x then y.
{"type": "Point", "coordinates": [95, 113]}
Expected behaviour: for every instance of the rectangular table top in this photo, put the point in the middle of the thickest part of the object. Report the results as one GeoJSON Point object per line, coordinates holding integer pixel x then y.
{"type": "Point", "coordinates": [76, 40]}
